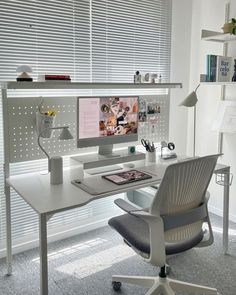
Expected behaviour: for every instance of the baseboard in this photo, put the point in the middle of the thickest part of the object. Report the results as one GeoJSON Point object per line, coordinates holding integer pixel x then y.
{"type": "Point", "coordinates": [64, 233]}
{"type": "Point", "coordinates": [219, 212]}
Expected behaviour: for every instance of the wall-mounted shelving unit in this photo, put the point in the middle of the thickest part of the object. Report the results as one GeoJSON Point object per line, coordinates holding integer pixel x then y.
{"type": "Point", "coordinates": [224, 39]}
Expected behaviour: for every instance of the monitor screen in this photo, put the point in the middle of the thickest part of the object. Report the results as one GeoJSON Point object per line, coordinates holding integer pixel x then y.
{"type": "Point", "coordinates": [106, 120]}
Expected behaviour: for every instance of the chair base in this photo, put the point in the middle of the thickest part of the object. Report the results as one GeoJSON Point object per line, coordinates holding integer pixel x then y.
{"type": "Point", "coordinates": [164, 286]}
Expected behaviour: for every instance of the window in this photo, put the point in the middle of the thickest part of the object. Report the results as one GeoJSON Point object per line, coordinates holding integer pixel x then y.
{"type": "Point", "coordinates": [91, 40]}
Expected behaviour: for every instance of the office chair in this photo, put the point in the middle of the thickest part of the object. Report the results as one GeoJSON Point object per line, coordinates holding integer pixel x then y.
{"type": "Point", "coordinates": [172, 224]}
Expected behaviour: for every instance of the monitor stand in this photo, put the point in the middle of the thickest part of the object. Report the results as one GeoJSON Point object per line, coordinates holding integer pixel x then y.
{"type": "Point", "coordinates": [108, 161]}
{"type": "Point", "coordinates": [105, 169]}
{"type": "Point", "coordinates": [106, 151]}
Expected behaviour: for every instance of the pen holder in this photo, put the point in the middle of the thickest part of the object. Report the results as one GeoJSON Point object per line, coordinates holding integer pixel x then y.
{"type": "Point", "coordinates": [44, 121]}
{"type": "Point", "coordinates": [151, 157]}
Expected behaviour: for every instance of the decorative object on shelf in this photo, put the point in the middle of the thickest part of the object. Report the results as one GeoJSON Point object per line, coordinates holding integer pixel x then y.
{"type": "Point", "coordinates": [151, 78]}
{"type": "Point", "coordinates": [24, 76]}
{"type": "Point", "coordinates": [234, 74]}
{"type": "Point", "coordinates": [55, 164]}
{"type": "Point", "coordinates": [191, 101]}
{"type": "Point", "coordinates": [53, 77]}
{"type": "Point", "coordinates": [224, 69]}
{"type": "Point", "coordinates": [137, 77]}
{"type": "Point", "coordinates": [219, 68]}
{"type": "Point", "coordinates": [230, 27]}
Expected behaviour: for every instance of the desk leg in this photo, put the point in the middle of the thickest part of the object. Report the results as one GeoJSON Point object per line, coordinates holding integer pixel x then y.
{"type": "Point", "coordinates": [226, 212]}
{"type": "Point", "coordinates": [8, 229]}
{"type": "Point", "coordinates": [43, 254]}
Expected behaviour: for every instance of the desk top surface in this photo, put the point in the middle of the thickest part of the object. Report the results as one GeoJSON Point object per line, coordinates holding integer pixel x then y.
{"type": "Point", "coordinates": [45, 198]}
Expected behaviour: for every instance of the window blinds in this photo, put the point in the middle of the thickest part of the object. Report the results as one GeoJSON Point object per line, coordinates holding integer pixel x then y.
{"type": "Point", "coordinates": [91, 40]}
{"type": "Point", "coordinates": [128, 36]}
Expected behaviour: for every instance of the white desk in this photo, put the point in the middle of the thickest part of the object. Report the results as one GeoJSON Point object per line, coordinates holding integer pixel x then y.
{"type": "Point", "coordinates": [48, 199]}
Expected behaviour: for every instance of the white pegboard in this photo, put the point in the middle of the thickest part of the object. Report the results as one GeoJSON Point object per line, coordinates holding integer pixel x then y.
{"type": "Point", "coordinates": [156, 128]}
{"type": "Point", "coordinates": [22, 133]}
{"type": "Point", "coordinates": [23, 136]}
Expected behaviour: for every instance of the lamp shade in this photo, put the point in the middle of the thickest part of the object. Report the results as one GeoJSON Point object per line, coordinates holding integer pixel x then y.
{"type": "Point", "coordinates": [65, 134]}
{"type": "Point", "coordinates": [190, 100]}
{"type": "Point", "coordinates": [24, 69]}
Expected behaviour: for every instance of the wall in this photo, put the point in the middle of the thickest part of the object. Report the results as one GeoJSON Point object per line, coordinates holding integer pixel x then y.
{"type": "Point", "coordinates": [180, 71]}
{"type": "Point", "coordinates": [210, 14]}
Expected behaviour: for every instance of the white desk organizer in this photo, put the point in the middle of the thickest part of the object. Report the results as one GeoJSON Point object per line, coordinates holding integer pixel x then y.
{"type": "Point", "coordinates": [44, 121]}
{"type": "Point", "coordinates": [151, 157]}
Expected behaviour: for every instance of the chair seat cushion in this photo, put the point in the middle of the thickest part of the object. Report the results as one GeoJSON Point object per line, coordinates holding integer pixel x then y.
{"type": "Point", "coordinates": [136, 232]}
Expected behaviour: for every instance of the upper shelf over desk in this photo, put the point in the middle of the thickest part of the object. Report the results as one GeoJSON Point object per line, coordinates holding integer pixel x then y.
{"type": "Point", "coordinates": [219, 83]}
{"type": "Point", "coordinates": [86, 85]}
{"type": "Point", "coordinates": [217, 36]}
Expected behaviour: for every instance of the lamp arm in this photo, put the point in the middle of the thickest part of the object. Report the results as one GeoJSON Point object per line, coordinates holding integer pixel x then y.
{"type": "Point", "coordinates": [39, 136]}
{"type": "Point", "coordinates": [39, 144]}
{"type": "Point", "coordinates": [197, 88]}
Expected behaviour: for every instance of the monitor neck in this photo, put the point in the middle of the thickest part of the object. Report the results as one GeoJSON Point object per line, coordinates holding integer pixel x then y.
{"type": "Point", "coordinates": [105, 150]}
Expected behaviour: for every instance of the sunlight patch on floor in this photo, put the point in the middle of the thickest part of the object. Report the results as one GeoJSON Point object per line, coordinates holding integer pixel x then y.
{"type": "Point", "coordinates": [100, 261]}
{"type": "Point", "coordinates": [73, 249]}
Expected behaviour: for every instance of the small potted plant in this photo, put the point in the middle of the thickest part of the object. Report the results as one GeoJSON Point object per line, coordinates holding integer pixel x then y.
{"type": "Point", "coordinates": [230, 27]}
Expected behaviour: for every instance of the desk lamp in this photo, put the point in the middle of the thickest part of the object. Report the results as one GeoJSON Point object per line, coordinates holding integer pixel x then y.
{"type": "Point", "coordinates": [55, 164]}
{"type": "Point", "coordinates": [191, 101]}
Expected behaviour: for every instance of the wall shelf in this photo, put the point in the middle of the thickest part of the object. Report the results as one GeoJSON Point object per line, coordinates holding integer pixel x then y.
{"type": "Point", "coordinates": [217, 36]}
{"type": "Point", "coordinates": [86, 85]}
{"type": "Point", "coordinates": [219, 83]}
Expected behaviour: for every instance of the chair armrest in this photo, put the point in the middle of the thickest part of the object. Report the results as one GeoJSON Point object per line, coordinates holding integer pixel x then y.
{"type": "Point", "coordinates": [157, 239]}
{"type": "Point", "coordinates": [156, 229]}
{"type": "Point", "coordinates": [127, 206]}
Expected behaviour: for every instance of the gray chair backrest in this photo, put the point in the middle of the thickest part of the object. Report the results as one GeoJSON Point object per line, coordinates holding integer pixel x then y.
{"type": "Point", "coordinates": [183, 188]}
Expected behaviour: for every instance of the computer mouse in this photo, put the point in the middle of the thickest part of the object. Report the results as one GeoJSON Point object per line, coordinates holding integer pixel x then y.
{"type": "Point", "coordinates": [128, 165]}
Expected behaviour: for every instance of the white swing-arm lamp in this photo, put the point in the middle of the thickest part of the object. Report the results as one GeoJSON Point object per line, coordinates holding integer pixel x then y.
{"type": "Point", "coordinates": [65, 135]}
{"type": "Point", "coordinates": [191, 101]}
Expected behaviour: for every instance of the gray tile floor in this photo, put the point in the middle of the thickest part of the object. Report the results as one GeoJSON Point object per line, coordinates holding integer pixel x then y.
{"type": "Point", "coordinates": [84, 265]}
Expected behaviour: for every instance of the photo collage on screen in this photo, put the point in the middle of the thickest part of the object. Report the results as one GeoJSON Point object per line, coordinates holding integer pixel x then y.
{"type": "Point", "coordinates": [118, 116]}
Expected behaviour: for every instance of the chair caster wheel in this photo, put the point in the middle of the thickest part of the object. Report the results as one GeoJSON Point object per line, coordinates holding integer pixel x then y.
{"type": "Point", "coordinates": [168, 269]}
{"type": "Point", "coordinates": [116, 286]}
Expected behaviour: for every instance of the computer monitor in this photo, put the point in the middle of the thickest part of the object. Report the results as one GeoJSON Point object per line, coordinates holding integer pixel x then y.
{"type": "Point", "coordinates": [104, 121]}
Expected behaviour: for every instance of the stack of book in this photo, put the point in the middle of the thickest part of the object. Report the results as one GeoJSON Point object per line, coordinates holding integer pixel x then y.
{"type": "Point", "coordinates": [219, 68]}
{"type": "Point", "coordinates": [53, 77]}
